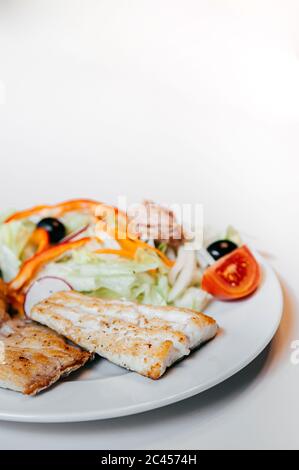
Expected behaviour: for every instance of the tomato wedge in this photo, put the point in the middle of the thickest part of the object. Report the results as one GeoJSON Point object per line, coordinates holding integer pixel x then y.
{"type": "Point", "coordinates": [234, 276]}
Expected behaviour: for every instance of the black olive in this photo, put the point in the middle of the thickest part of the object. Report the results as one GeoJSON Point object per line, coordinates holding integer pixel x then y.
{"type": "Point", "coordinates": [221, 248]}
{"type": "Point", "coordinates": [54, 227]}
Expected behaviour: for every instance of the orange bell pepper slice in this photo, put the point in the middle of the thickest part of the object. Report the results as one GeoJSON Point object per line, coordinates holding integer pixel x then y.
{"type": "Point", "coordinates": [38, 242]}
{"type": "Point", "coordinates": [55, 210]}
{"type": "Point", "coordinates": [127, 240]}
{"type": "Point", "coordinates": [133, 245]}
{"type": "Point", "coordinates": [32, 265]}
{"type": "Point", "coordinates": [40, 238]}
{"type": "Point", "coordinates": [113, 221]}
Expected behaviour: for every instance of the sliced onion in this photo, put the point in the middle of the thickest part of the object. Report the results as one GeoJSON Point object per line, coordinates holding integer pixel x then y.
{"type": "Point", "coordinates": [41, 289]}
{"type": "Point", "coordinates": [185, 276]}
{"type": "Point", "coordinates": [74, 235]}
{"type": "Point", "coordinates": [177, 267]}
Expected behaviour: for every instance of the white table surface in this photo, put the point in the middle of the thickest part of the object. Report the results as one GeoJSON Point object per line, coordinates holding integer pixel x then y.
{"type": "Point", "coordinates": [182, 101]}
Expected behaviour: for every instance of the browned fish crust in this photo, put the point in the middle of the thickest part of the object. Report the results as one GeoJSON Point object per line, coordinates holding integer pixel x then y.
{"type": "Point", "coordinates": [143, 338]}
{"type": "Point", "coordinates": [35, 357]}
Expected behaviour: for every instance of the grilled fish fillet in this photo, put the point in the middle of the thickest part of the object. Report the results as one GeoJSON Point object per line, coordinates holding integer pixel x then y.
{"type": "Point", "coordinates": [33, 357]}
{"type": "Point", "coordinates": [144, 339]}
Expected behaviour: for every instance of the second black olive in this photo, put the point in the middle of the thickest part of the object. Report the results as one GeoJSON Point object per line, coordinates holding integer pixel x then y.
{"type": "Point", "coordinates": [54, 227]}
{"type": "Point", "coordinates": [221, 248]}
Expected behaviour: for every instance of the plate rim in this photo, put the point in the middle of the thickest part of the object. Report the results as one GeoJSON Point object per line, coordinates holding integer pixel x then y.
{"type": "Point", "coordinates": [138, 408]}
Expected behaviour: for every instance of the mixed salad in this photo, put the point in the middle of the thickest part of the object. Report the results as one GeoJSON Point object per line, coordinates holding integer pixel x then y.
{"type": "Point", "coordinates": [96, 249]}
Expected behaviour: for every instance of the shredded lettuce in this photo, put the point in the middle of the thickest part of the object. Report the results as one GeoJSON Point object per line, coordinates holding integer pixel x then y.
{"type": "Point", "coordinates": [143, 279]}
{"type": "Point", "coordinates": [13, 239]}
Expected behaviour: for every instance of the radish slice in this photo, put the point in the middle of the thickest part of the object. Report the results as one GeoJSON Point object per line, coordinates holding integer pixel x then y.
{"type": "Point", "coordinates": [75, 234]}
{"type": "Point", "coordinates": [42, 289]}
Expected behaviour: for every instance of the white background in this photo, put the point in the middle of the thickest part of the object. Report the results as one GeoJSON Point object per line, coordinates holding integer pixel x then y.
{"type": "Point", "coordinates": [180, 101]}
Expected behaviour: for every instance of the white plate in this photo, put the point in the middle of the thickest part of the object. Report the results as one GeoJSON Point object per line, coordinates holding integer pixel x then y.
{"type": "Point", "coordinates": [103, 390]}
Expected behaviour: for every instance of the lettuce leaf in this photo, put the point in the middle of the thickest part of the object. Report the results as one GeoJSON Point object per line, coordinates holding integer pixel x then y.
{"type": "Point", "coordinates": [13, 239]}
{"type": "Point", "coordinates": [143, 279]}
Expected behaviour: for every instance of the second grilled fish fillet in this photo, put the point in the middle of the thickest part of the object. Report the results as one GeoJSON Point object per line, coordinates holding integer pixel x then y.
{"type": "Point", "coordinates": [33, 357]}
{"type": "Point", "coordinates": [145, 339]}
